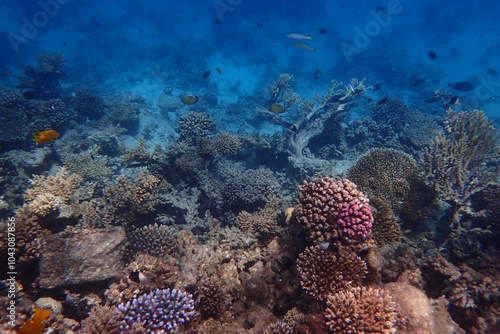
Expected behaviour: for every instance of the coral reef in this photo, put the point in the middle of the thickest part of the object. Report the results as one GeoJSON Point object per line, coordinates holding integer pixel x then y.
{"type": "Point", "coordinates": [210, 297]}
{"type": "Point", "coordinates": [262, 223]}
{"type": "Point", "coordinates": [102, 319]}
{"type": "Point", "coordinates": [455, 161]}
{"type": "Point", "coordinates": [159, 311]}
{"type": "Point", "coordinates": [333, 210]}
{"type": "Point", "coordinates": [325, 272]}
{"type": "Point", "coordinates": [42, 81]}
{"type": "Point", "coordinates": [394, 177]}
{"type": "Point", "coordinates": [89, 164]}
{"type": "Point", "coordinates": [86, 105]}
{"type": "Point", "coordinates": [194, 126]}
{"type": "Point", "coordinates": [361, 310]}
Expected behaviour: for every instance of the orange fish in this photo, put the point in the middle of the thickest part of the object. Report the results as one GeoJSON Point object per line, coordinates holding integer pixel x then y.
{"type": "Point", "coordinates": [46, 136]}
{"type": "Point", "coordinates": [35, 326]}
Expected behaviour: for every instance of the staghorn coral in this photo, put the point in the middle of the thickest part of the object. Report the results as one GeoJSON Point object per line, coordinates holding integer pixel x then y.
{"type": "Point", "coordinates": [361, 310]}
{"type": "Point", "coordinates": [280, 91]}
{"type": "Point", "coordinates": [327, 210]}
{"type": "Point", "coordinates": [156, 240]}
{"type": "Point", "coordinates": [393, 176]}
{"type": "Point", "coordinates": [455, 161]}
{"type": "Point", "coordinates": [103, 320]}
{"type": "Point", "coordinates": [140, 154]}
{"type": "Point", "coordinates": [385, 229]}
{"type": "Point", "coordinates": [262, 223]}
{"type": "Point", "coordinates": [324, 272]}
{"type": "Point", "coordinates": [159, 311]}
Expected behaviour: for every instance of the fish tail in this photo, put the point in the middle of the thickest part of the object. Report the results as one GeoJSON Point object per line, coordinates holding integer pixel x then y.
{"type": "Point", "coordinates": [313, 50]}
{"type": "Point", "coordinates": [311, 38]}
{"type": "Point", "coordinates": [36, 138]}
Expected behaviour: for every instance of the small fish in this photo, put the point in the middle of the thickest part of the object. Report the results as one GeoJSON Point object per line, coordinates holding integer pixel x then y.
{"type": "Point", "coordinates": [454, 100]}
{"type": "Point", "coordinates": [351, 87]}
{"type": "Point", "coordinates": [377, 86]}
{"type": "Point", "coordinates": [217, 22]}
{"type": "Point", "coordinates": [302, 46]}
{"type": "Point", "coordinates": [492, 72]}
{"type": "Point", "coordinates": [47, 136]}
{"type": "Point", "coordinates": [294, 127]}
{"type": "Point", "coordinates": [258, 25]}
{"type": "Point", "coordinates": [382, 101]}
{"type": "Point", "coordinates": [34, 325]}
{"type": "Point", "coordinates": [277, 108]}
{"type": "Point", "coordinates": [64, 43]}
{"type": "Point", "coordinates": [218, 71]}
{"type": "Point", "coordinates": [299, 37]}
{"type": "Point", "coordinates": [352, 105]}
{"type": "Point", "coordinates": [432, 55]}
{"type": "Point", "coordinates": [416, 82]}
{"type": "Point", "coordinates": [206, 75]}
{"type": "Point", "coordinates": [316, 74]}
{"type": "Point", "coordinates": [462, 86]}
{"type": "Point", "coordinates": [322, 31]}
{"type": "Point", "coordinates": [190, 99]}
{"type": "Point", "coordinates": [431, 100]}
{"type": "Point", "coordinates": [6, 74]}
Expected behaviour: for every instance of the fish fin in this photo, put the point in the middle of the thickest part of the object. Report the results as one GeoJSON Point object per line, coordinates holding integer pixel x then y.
{"type": "Point", "coordinates": [36, 138]}
{"type": "Point", "coordinates": [314, 50]}
{"type": "Point", "coordinates": [311, 38]}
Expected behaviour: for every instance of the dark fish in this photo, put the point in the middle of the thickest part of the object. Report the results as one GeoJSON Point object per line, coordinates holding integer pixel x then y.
{"type": "Point", "coordinates": [218, 70]}
{"type": "Point", "coordinates": [432, 55]}
{"type": "Point", "coordinates": [217, 22]}
{"type": "Point", "coordinates": [382, 10]}
{"type": "Point", "coordinates": [258, 25]}
{"type": "Point", "coordinates": [352, 105]}
{"type": "Point", "coordinates": [462, 86]}
{"type": "Point", "coordinates": [434, 112]}
{"type": "Point", "coordinates": [416, 82]}
{"type": "Point", "coordinates": [64, 43]}
{"type": "Point", "coordinates": [29, 94]}
{"type": "Point", "coordinates": [431, 100]}
{"type": "Point", "coordinates": [384, 100]}
{"type": "Point", "coordinates": [206, 75]}
{"type": "Point", "coordinates": [454, 100]}
{"type": "Point", "coordinates": [316, 74]}
{"type": "Point", "coordinates": [97, 24]}
{"type": "Point", "coordinates": [377, 86]}
{"type": "Point", "coordinates": [322, 31]}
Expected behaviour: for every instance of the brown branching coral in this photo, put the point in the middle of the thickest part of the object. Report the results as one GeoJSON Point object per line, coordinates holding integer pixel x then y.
{"type": "Point", "coordinates": [103, 320]}
{"type": "Point", "coordinates": [156, 240]}
{"type": "Point", "coordinates": [263, 222]}
{"type": "Point", "coordinates": [385, 229]}
{"type": "Point", "coordinates": [89, 164]}
{"type": "Point", "coordinates": [394, 177]}
{"type": "Point", "coordinates": [140, 154]}
{"type": "Point", "coordinates": [280, 92]}
{"type": "Point", "coordinates": [209, 297]}
{"type": "Point", "coordinates": [324, 272]}
{"type": "Point", "coordinates": [361, 310]}
{"type": "Point", "coordinates": [454, 163]}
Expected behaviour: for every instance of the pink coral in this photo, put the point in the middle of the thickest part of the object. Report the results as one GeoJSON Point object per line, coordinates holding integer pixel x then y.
{"type": "Point", "coordinates": [331, 209]}
{"type": "Point", "coordinates": [355, 219]}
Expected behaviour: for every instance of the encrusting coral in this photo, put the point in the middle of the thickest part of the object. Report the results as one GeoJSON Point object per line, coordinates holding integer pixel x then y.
{"type": "Point", "coordinates": [361, 310]}
{"type": "Point", "coordinates": [334, 210]}
{"type": "Point", "coordinates": [324, 272]}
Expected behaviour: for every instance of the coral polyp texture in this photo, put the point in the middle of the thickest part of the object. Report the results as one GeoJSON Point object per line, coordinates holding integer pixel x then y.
{"type": "Point", "coordinates": [361, 310]}
{"type": "Point", "coordinates": [160, 311]}
{"type": "Point", "coordinates": [332, 210]}
{"type": "Point", "coordinates": [323, 272]}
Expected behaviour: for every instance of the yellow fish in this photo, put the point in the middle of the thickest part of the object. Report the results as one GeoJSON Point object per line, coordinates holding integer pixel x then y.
{"type": "Point", "coordinates": [35, 326]}
{"type": "Point", "coordinates": [276, 108]}
{"type": "Point", "coordinates": [302, 46]}
{"type": "Point", "coordinates": [190, 99]}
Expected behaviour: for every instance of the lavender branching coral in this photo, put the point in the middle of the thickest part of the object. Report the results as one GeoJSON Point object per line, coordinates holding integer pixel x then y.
{"type": "Point", "coordinates": [160, 311]}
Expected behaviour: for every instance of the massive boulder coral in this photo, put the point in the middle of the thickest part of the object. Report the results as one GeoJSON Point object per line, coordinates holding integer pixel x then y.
{"type": "Point", "coordinates": [332, 210]}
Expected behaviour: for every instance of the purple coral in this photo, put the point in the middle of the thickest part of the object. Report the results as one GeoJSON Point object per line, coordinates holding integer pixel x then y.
{"type": "Point", "coordinates": [355, 219]}
{"type": "Point", "coordinates": [160, 311]}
